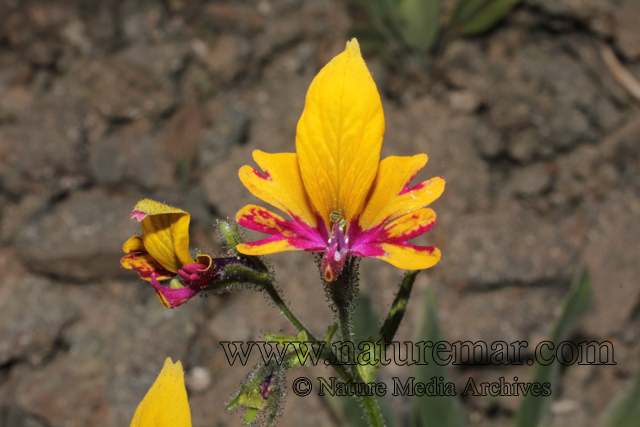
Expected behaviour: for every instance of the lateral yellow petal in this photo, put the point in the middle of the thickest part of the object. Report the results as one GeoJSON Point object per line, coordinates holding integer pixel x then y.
{"type": "Point", "coordinates": [391, 196]}
{"type": "Point", "coordinates": [410, 257]}
{"type": "Point", "coordinates": [411, 225]}
{"type": "Point", "coordinates": [279, 185]}
{"type": "Point", "coordinates": [134, 244]}
{"type": "Point", "coordinates": [270, 245]}
{"type": "Point", "coordinates": [165, 404]}
{"type": "Point", "coordinates": [339, 135]}
{"type": "Point", "coordinates": [165, 233]}
{"type": "Point", "coordinates": [260, 219]}
{"type": "Point", "coordinates": [145, 265]}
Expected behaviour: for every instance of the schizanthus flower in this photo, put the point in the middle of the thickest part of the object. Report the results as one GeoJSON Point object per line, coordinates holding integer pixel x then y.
{"type": "Point", "coordinates": [342, 200]}
{"type": "Point", "coordinates": [162, 252]}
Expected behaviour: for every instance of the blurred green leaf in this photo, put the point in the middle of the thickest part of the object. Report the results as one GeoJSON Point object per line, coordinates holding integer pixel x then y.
{"type": "Point", "coordinates": [465, 9]}
{"type": "Point", "coordinates": [347, 410]}
{"type": "Point", "coordinates": [476, 16]}
{"type": "Point", "coordinates": [365, 328]}
{"type": "Point", "coordinates": [383, 15]}
{"type": "Point", "coordinates": [365, 320]}
{"type": "Point", "coordinates": [488, 16]}
{"type": "Point", "coordinates": [624, 410]}
{"type": "Point", "coordinates": [441, 411]}
{"type": "Point", "coordinates": [534, 408]}
{"type": "Point", "coordinates": [419, 23]}
{"type": "Point", "coordinates": [183, 171]}
{"type": "Point", "coordinates": [370, 39]}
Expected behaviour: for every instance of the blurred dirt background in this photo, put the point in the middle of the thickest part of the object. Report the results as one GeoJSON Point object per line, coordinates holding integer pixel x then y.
{"type": "Point", "coordinates": [103, 103]}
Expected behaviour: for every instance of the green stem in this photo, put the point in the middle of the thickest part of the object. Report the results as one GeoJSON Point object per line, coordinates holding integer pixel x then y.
{"type": "Point", "coordinates": [273, 293]}
{"type": "Point", "coordinates": [370, 407]}
{"type": "Point", "coordinates": [342, 291]}
{"type": "Point", "coordinates": [275, 296]}
{"type": "Point", "coordinates": [341, 299]}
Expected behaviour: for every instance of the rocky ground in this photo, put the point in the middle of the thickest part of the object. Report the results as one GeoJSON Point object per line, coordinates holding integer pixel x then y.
{"type": "Point", "coordinates": [104, 103]}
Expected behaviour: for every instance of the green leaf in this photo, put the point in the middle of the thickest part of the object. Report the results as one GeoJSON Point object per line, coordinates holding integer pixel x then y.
{"type": "Point", "coordinates": [419, 21]}
{"type": "Point", "coordinates": [249, 416]}
{"type": "Point", "coordinates": [624, 410]}
{"type": "Point", "coordinates": [398, 307]}
{"type": "Point", "coordinates": [533, 408]}
{"type": "Point", "coordinates": [488, 16]}
{"type": "Point", "coordinates": [347, 410]}
{"type": "Point", "coordinates": [383, 15]}
{"type": "Point", "coordinates": [280, 339]}
{"type": "Point", "coordinates": [331, 330]}
{"type": "Point", "coordinates": [365, 328]}
{"type": "Point", "coordinates": [371, 40]}
{"type": "Point", "coordinates": [441, 411]}
{"type": "Point", "coordinates": [465, 9]}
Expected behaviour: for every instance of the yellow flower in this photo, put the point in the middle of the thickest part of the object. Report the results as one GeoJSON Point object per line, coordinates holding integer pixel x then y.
{"type": "Point", "coordinates": [163, 247]}
{"type": "Point", "coordinates": [162, 252]}
{"type": "Point", "coordinates": [165, 404]}
{"type": "Point", "coordinates": [342, 199]}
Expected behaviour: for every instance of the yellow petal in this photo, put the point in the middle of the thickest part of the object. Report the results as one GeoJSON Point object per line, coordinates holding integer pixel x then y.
{"type": "Point", "coordinates": [134, 244]}
{"type": "Point", "coordinates": [165, 234]}
{"type": "Point", "coordinates": [165, 404]}
{"type": "Point", "coordinates": [296, 234]}
{"type": "Point", "coordinates": [145, 265]}
{"type": "Point", "coordinates": [138, 259]}
{"type": "Point", "coordinates": [411, 225]}
{"type": "Point", "coordinates": [410, 257]}
{"type": "Point", "coordinates": [270, 245]}
{"type": "Point", "coordinates": [339, 135]}
{"type": "Point", "coordinates": [280, 185]}
{"type": "Point", "coordinates": [391, 196]}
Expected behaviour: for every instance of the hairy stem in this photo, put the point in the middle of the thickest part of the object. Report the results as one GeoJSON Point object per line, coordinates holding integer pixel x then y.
{"type": "Point", "coordinates": [342, 291]}
{"type": "Point", "coordinates": [372, 410]}
{"type": "Point", "coordinates": [275, 296]}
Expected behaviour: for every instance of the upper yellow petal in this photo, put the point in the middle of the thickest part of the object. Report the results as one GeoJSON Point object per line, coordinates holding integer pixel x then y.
{"type": "Point", "coordinates": [391, 196]}
{"type": "Point", "coordinates": [165, 404]}
{"type": "Point", "coordinates": [339, 135]}
{"type": "Point", "coordinates": [165, 234]}
{"type": "Point", "coordinates": [281, 185]}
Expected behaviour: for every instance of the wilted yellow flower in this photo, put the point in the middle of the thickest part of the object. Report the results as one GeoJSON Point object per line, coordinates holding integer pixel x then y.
{"type": "Point", "coordinates": [162, 252]}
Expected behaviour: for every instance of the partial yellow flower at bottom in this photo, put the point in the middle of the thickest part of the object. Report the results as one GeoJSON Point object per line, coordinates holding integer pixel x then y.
{"type": "Point", "coordinates": [165, 404]}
